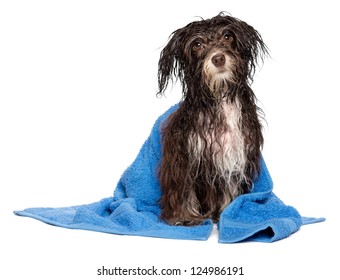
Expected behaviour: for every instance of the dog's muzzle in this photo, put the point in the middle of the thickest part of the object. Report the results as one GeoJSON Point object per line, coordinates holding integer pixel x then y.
{"type": "Point", "coordinates": [218, 71]}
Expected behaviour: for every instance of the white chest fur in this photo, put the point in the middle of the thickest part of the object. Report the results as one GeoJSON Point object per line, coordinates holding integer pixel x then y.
{"type": "Point", "coordinates": [233, 150]}
{"type": "Point", "coordinates": [224, 144]}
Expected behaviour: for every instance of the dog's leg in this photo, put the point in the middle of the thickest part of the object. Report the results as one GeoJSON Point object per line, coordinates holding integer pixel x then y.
{"type": "Point", "coordinates": [180, 205]}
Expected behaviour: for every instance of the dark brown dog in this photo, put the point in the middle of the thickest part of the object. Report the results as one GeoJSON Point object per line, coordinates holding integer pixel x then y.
{"type": "Point", "coordinates": [212, 143]}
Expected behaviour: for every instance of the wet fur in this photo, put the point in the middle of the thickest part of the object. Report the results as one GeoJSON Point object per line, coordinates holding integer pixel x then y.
{"type": "Point", "coordinates": [212, 143]}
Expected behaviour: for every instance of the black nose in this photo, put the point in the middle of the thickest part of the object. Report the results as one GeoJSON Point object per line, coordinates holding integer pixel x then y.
{"type": "Point", "coordinates": [218, 59]}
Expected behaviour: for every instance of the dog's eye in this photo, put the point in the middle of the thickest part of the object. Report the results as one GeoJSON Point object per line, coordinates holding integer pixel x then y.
{"type": "Point", "coordinates": [227, 36]}
{"type": "Point", "coordinates": [197, 46]}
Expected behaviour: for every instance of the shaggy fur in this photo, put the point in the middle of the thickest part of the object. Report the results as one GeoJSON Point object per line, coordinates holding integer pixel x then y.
{"type": "Point", "coordinates": [212, 143]}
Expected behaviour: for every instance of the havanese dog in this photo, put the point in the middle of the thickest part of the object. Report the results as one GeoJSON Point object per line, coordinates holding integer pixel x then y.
{"type": "Point", "coordinates": [211, 146]}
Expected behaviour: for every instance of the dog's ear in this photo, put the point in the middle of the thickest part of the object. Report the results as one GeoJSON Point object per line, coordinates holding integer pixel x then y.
{"type": "Point", "coordinates": [169, 65]}
{"type": "Point", "coordinates": [250, 45]}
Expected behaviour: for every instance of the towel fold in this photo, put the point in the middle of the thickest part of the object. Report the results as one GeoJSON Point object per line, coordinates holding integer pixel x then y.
{"type": "Point", "coordinates": [134, 209]}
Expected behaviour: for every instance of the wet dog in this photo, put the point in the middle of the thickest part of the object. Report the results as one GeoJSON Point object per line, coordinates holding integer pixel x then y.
{"type": "Point", "coordinates": [212, 143]}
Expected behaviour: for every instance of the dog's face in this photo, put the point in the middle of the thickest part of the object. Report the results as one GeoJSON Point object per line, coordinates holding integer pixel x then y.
{"type": "Point", "coordinates": [211, 54]}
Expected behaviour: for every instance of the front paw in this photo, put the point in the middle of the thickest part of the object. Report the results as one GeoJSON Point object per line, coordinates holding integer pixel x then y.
{"type": "Point", "coordinates": [184, 221]}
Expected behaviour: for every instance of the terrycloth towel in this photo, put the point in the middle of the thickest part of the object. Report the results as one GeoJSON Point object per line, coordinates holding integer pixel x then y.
{"type": "Point", "coordinates": [134, 209]}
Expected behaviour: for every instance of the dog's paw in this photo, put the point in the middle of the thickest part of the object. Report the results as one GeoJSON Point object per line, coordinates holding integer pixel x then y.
{"type": "Point", "coordinates": [188, 221]}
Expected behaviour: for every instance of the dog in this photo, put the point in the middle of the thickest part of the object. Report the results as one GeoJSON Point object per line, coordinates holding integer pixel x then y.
{"type": "Point", "coordinates": [211, 146]}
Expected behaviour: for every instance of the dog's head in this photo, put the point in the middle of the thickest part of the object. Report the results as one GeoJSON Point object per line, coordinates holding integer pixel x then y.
{"type": "Point", "coordinates": [213, 55]}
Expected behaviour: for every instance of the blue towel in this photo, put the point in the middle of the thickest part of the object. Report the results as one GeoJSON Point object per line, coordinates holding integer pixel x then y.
{"type": "Point", "coordinates": [134, 210]}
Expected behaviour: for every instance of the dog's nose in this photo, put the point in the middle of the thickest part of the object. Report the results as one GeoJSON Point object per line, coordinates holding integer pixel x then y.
{"type": "Point", "coordinates": [218, 59]}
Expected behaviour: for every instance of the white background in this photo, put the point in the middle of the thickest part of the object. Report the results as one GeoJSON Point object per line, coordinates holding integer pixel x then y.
{"type": "Point", "coordinates": [77, 99]}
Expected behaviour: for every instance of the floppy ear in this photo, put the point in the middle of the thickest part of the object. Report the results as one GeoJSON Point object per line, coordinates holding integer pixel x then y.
{"type": "Point", "coordinates": [169, 62]}
{"type": "Point", "coordinates": [250, 44]}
